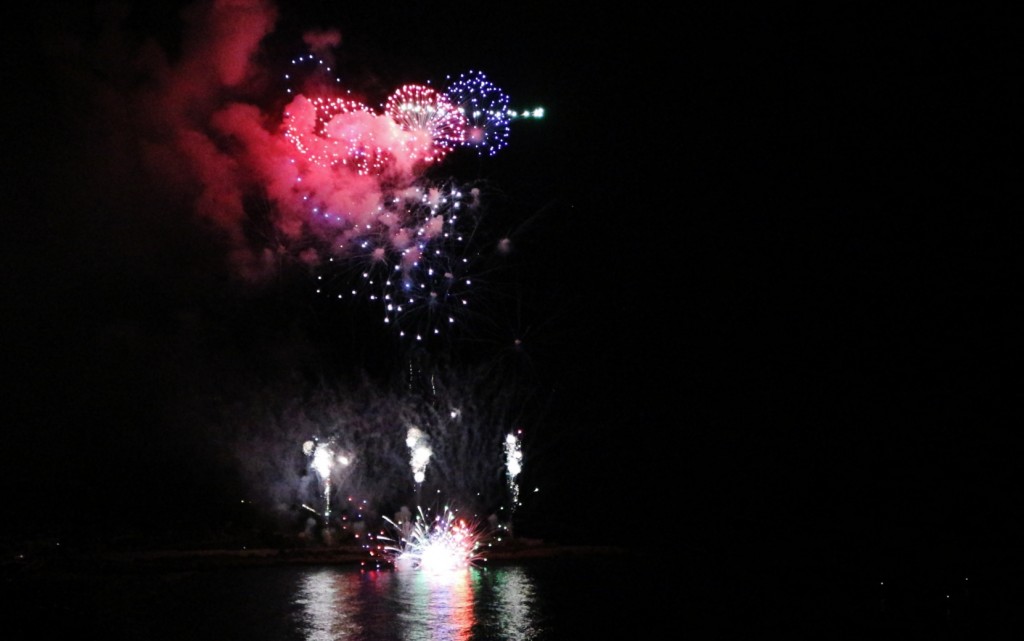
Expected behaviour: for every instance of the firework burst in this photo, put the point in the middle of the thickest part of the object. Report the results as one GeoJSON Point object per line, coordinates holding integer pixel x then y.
{"type": "Point", "coordinates": [376, 227]}
{"type": "Point", "coordinates": [485, 108]}
{"type": "Point", "coordinates": [435, 125]}
{"type": "Point", "coordinates": [445, 544]}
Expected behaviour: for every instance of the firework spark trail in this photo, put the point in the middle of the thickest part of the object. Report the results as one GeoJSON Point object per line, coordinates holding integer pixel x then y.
{"type": "Point", "coordinates": [513, 465]}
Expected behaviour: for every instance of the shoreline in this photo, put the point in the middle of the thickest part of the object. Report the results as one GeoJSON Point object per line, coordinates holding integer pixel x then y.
{"type": "Point", "coordinates": [212, 558]}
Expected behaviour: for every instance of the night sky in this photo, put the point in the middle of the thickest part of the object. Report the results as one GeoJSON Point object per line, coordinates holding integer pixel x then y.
{"type": "Point", "coordinates": [757, 279]}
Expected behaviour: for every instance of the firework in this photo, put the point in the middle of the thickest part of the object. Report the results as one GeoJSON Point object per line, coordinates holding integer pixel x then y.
{"type": "Point", "coordinates": [435, 125]}
{"type": "Point", "coordinates": [485, 107]}
{"type": "Point", "coordinates": [463, 414]}
{"type": "Point", "coordinates": [337, 132]}
{"type": "Point", "coordinates": [322, 459]}
{"type": "Point", "coordinates": [311, 74]}
{"type": "Point", "coordinates": [419, 261]}
{"type": "Point", "coordinates": [336, 176]}
{"type": "Point", "coordinates": [430, 281]}
{"type": "Point", "coordinates": [440, 546]}
{"type": "Point", "coordinates": [379, 230]}
{"type": "Point", "coordinates": [419, 452]}
{"type": "Point", "coordinates": [513, 465]}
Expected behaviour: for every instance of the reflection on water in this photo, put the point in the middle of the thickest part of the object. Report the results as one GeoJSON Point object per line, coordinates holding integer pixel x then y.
{"type": "Point", "coordinates": [323, 596]}
{"type": "Point", "coordinates": [343, 603]}
{"type": "Point", "coordinates": [512, 609]}
{"type": "Point", "coordinates": [435, 606]}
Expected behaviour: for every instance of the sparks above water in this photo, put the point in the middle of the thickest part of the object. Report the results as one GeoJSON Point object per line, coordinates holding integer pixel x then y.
{"type": "Point", "coordinates": [444, 545]}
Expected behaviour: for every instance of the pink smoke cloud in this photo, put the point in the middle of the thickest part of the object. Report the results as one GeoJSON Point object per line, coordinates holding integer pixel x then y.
{"type": "Point", "coordinates": [327, 168]}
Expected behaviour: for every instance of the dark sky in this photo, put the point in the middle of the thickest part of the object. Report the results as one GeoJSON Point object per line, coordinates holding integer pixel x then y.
{"type": "Point", "coordinates": [758, 276]}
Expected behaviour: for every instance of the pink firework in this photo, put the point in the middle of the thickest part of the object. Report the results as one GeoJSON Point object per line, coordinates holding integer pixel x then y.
{"type": "Point", "coordinates": [435, 125]}
{"type": "Point", "coordinates": [334, 132]}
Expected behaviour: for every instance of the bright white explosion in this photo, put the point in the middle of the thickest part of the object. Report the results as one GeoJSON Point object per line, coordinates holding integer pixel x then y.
{"type": "Point", "coordinates": [446, 544]}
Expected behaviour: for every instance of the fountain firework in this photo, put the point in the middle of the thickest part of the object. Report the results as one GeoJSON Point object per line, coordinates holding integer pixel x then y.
{"type": "Point", "coordinates": [323, 457]}
{"type": "Point", "coordinates": [513, 465]}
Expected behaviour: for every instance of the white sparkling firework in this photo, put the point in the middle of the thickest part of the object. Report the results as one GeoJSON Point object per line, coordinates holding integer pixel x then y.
{"type": "Point", "coordinates": [513, 465]}
{"type": "Point", "coordinates": [463, 417]}
{"type": "Point", "coordinates": [323, 457]}
{"type": "Point", "coordinates": [419, 452]}
{"type": "Point", "coordinates": [445, 545]}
